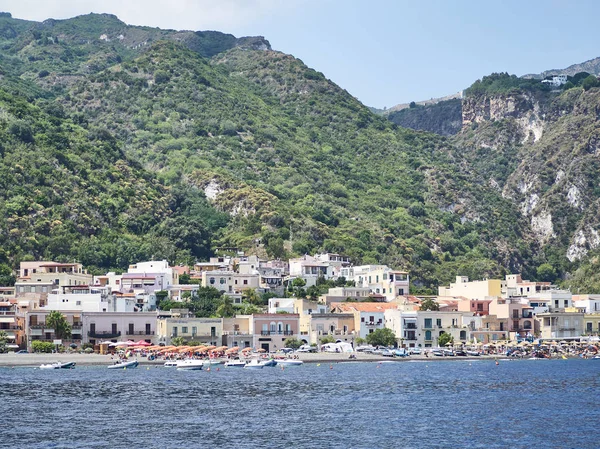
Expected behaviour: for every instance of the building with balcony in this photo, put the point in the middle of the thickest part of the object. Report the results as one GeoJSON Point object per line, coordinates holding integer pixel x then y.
{"type": "Point", "coordinates": [341, 294]}
{"type": "Point", "coordinates": [38, 329]}
{"type": "Point", "coordinates": [204, 330]}
{"type": "Point", "coordinates": [560, 325]}
{"type": "Point", "coordinates": [272, 329]}
{"type": "Point", "coordinates": [118, 326]}
{"type": "Point", "coordinates": [229, 281]}
{"type": "Point", "coordinates": [310, 269]}
{"type": "Point", "coordinates": [517, 315]}
{"type": "Point", "coordinates": [591, 324]}
{"type": "Point", "coordinates": [379, 279]}
{"type": "Point", "coordinates": [368, 316]}
{"type": "Point", "coordinates": [9, 323]}
{"type": "Point", "coordinates": [87, 298]}
{"type": "Point", "coordinates": [59, 274]}
{"type": "Point", "coordinates": [340, 326]}
{"type": "Point", "coordinates": [237, 332]}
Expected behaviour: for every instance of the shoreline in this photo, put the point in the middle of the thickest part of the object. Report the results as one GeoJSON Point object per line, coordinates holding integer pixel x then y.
{"type": "Point", "coordinates": [35, 360]}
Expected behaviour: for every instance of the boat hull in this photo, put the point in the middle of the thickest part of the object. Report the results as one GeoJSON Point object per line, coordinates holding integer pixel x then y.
{"type": "Point", "coordinates": [127, 365]}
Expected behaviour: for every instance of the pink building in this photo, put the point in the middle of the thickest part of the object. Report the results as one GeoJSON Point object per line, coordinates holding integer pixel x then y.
{"type": "Point", "coordinates": [272, 329]}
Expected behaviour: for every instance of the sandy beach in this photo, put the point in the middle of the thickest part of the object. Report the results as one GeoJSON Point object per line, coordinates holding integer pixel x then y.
{"type": "Point", "coordinates": [35, 360]}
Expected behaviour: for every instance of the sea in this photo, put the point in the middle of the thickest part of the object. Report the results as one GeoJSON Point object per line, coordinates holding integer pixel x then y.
{"type": "Point", "coordinates": [408, 404]}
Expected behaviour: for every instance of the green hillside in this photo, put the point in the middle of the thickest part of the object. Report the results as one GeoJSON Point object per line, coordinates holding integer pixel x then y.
{"type": "Point", "coordinates": [291, 163]}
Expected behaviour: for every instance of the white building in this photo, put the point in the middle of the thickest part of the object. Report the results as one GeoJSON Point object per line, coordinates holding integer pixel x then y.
{"type": "Point", "coordinates": [379, 279]}
{"type": "Point", "coordinates": [84, 298]}
{"type": "Point", "coordinates": [281, 305]}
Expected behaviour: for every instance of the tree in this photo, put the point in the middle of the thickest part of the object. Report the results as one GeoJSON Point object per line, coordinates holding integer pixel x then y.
{"type": "Point", "coordinates": [382, 337]}
{"type": "Point", "coordinates": [226, 309]}
{"type": "Point", "coordinates": [292, 342]}
{"type": "Point", "coordinates": [326, 339]}
{"type": "Point", "coordinates": [589, 82]}
{"type": "Point", "coordinates": [2, 342]}
{"type": "Point", "coordinates": [252, 297]}
{"type": "Point", "coordinates": [546, 273]}
{"type": "Point", "coordinates": [184, 278]}
{"type": "Point", "coordinates": [429, 304]}
{"type": "Point", "coordinates": [58, 322]}
{"type": "Point", "coordinates": [177, 341]}
{"type": "Point", "coordinates": [444, 339]}
{"type": "Point", "coordinates": [359, 341]}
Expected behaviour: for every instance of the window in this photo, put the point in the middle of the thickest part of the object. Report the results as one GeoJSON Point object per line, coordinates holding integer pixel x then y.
{"type": "Point", "coordinates": [362, 319]}
{"type": "Point", "coordinates": [427, 335]}
{"type": "Point", "coordinates": [377, 278]}
{"type": "Point", "coordinates": [131, 329]}
{"type": "Point", "coordinates": [371, 318]}
{"type": "Point", "coordinates": [148, 329]}
{"type": "Point", "coordinates": [566, 302]}
{"type": "Point", "coordinates": [400, 291]}
{"type": "Point", "coordinates": [245, 281]}
{"type": "Point", "coordinates": [174, 331]}
{"type": "Point", "coordinates": [222, 281]}
{"type": "Point", "coordinates": [427, 324]}
{"type": "Point", "coordinates": [184, 329]}
{"type": "Point", "coordinates": [384, 276]}
{"type": "Point", "coordinates": [438, 322]}
{"type": "Point", "coordinates": [194, 330]}
{"type": "Point", "coordinates": [212, 281]}
{"type": "Point", "coordinates": [78, 303]}
{"type": "Point", "coordinates": [384, 291]}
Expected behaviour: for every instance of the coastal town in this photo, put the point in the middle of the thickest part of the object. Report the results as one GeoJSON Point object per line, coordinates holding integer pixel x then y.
{"type": "Point", "coordinates": [112, 309]}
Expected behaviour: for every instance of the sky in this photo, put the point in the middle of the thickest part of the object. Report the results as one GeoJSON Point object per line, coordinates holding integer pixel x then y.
{"type": "Point", "coordinates": [383, 52]}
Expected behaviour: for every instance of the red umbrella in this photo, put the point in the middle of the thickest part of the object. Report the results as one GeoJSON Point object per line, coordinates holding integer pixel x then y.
{"type": "Point", "coordinates": [143, 343]}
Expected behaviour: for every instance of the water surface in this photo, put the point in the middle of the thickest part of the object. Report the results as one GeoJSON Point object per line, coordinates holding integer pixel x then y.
{"type": "Point", "coordinates": [458, 404]}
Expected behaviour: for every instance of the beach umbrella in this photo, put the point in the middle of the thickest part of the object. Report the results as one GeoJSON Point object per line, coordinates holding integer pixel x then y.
{"type": "Point", "coordinates": [143, 343]}
{"type": "Point", "coordinates": [261, 350]}
{"type": "Point", "coordinates": [247, 350]}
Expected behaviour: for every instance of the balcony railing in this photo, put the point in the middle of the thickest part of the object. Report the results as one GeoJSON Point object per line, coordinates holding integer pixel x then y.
{"type": "Point", "coordinates": [410, 326]}
{"type": "Point", "coordinates": [566, 329]}
{"type": "Point", "coordinates": [7, 313]}
{"type": "Point", "coordinates": [37, 326]}
{"type": "Point", "coordinates": [139, 333]}
{"type": "Point", "coordinates": [277, 333]}
{"type": "Point", "coordinates": [104, 334]}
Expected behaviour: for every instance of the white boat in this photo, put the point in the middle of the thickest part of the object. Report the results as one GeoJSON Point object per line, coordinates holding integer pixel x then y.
{"type": "Point", "coordinates": [170, 363]}
{"type": "Point", "coordinates": [58, 365]}
{"type": "Point", "coordinates": [190, 365]}
{"type": "Point", "coordinates": [237, 363]}
{"type": "Point", "coordinates": [124, 365]}
{"type": "Point", "coordinates": [270, 362]}
{"type": "Point", "coordinates": [289, 362]}
{"type": "Point", "coordinates": [254, 364]}
{"type": "Point", "coordinates": [211, 362]}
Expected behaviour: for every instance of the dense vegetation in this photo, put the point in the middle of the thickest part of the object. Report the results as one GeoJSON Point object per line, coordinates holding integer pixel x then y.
{"type": "Point", "coordinates": [503, 84]}
{"type": "Point", "coordinates": [109, 146]}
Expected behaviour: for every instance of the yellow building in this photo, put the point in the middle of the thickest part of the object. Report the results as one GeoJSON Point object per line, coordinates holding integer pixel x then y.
{"type": "Point", "coordinates": [472, 289]}
{"type": "Point", "coordinates": [591, 324]}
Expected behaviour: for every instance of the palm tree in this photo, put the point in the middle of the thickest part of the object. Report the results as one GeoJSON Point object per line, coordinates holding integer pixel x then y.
{"type": "Point", "coordinates": [57, 321]}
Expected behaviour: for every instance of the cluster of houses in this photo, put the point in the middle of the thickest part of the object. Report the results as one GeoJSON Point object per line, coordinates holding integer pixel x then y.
{"type": "Point", "coordinates": [115, 307]}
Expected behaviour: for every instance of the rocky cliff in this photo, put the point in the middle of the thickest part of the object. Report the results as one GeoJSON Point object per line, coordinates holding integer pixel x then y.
{"type": "Point", "coordinates": [443, 118]}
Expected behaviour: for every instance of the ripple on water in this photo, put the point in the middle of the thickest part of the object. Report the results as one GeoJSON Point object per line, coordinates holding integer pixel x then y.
{"type": "Point", "coordinates": [406, 405]}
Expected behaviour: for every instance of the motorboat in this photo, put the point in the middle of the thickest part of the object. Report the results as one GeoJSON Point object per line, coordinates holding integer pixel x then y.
{"type": "Point", "coordinates": [212, 362]}
{"type": "Point", "coordinates": [171, 363]}
{"type": "Point", "coordinates": [190, 365]}
{"type": "Point", "coordinates": [473, 353]}
{"type": "Point", "coordinates": [270, 362]}
{"type": "Point", "coordinates": [237, 363]}
{"type": "Point", "coordinates": [254, 364]}
{"type": "Point", "coordinates": [58, 365]}
{"type": "Point", "coordinates": [289, 362]}
{"type": "Point", "coordinates": [124, 364]}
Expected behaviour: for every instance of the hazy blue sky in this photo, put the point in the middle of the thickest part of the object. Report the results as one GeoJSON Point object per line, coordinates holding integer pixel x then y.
{"type": "Point", "coordinates": [383, 52]}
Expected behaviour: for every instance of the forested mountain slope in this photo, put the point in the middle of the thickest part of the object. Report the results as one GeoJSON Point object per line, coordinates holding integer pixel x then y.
{"type": "Point", "coordinates": [145, 123]}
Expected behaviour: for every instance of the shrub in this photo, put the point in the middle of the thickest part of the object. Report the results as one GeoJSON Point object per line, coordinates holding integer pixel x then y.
{"type": "Point", "coordinates": [42, 346]}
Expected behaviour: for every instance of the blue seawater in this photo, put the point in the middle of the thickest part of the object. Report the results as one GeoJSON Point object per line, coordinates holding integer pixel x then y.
{"type": "Point", "coordinates": [457, 404]}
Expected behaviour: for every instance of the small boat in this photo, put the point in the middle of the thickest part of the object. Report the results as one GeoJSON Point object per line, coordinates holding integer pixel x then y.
{"type": "Point", "coordinates": [237, 363]}
{"type": "Point", "coordinates": [124, 365]}
{"type": "Point", "coordinates": [212, 362]}
{"type": "Point", "coordinates": [289, 362]}
{"type": "Point", "coordinates": [58, 365]}
{"type": "Point", "coordinates": [473, 353]}
{"type": "Point", "coordinates": [170, 363]}
{"type": "Point", "coordinates": [270, 362]}
{"type": "Point", "coordinates": [190, 365]}
{"type": "Point", "coordinates": [254, 364]}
